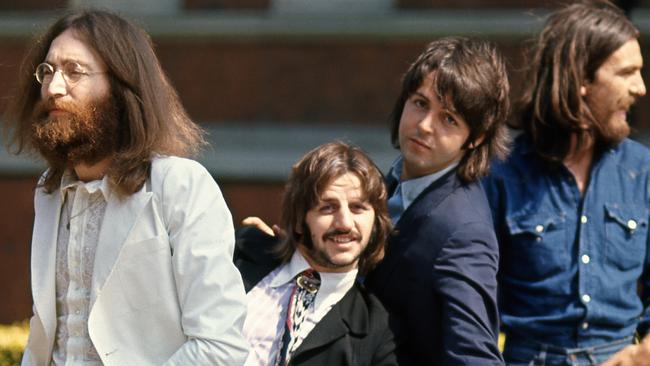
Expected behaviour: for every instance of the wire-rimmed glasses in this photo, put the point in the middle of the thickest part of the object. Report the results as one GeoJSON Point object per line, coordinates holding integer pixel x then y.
{"type": "Point", "coordinates": [72, 72]}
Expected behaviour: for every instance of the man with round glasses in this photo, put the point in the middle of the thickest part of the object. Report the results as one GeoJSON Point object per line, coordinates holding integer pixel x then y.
{"type": "Point", "coordinates": [132, 244]}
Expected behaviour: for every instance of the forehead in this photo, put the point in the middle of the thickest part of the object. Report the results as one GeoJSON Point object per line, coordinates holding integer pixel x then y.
{"type": "Point", "coordinates": [628, 55]}
{"type": "Point", "coordinates": [347, 185]}
{"type": "Point", "coordinates": [67, 47]}
{"type": "Point", "coordinates": [428, 88]}
{"type": "Point", "coordinates": [428, 85]}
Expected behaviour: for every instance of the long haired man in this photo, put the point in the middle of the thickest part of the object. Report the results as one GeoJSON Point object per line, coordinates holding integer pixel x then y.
{"type": "Point", "coordinates": [132, 243]}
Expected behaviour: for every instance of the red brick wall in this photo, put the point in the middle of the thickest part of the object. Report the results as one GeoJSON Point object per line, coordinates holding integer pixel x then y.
{"type": "Point", "coordinates": [16, 220]}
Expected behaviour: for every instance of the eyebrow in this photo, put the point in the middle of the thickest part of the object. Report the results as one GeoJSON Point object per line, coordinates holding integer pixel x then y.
{"type": "Point", "coordinates": [417, 93]}
{"type": "Point", "coordinates": [68, 61]}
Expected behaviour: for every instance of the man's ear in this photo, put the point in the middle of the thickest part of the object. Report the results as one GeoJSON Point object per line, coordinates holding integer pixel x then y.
{"type": "Point", "coordinates": [477, 141]}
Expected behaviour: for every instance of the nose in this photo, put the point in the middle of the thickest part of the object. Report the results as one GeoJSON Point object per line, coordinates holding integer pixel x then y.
{"type": "Point", "coordinates": [426, 124]}
{"type": "Point", "coordinates": [344, 219]}
{"type": "Point", "coordinates": [638, 87]}
{"type": "Point", "coordinates": [56, 87]}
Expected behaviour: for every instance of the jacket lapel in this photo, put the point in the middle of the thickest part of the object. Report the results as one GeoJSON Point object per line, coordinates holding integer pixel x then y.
{"type": "Point", "coordinates": [46, 223]}
{"type": "Point", "coordinates": [400, 239]}
{"type": "Point", "coordinates": [349, 315]}
{"type": "Point", "coordinates": [119, 219]}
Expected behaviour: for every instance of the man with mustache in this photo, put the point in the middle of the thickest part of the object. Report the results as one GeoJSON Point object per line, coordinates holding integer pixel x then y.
{"type": "Point", "coordinates": [336, 224]}
{"type": "Point", "coordinates": [572, 202]}
{"type": "Point", "coordinates": [132, 244]}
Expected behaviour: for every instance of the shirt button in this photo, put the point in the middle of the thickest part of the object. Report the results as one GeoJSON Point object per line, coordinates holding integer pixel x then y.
{"type": "Point", "coordinates": [585, 325]}
{"type": "Point", "coordinates": [586, 298]}
{"type": "Point", "coordinates": [583, 219]}
{"type": "Point", "coordinates": [585, 259]}
{"type": "Point", "coordinates": [539, 228]}
{"type": "Point", "coordinates": [631, 224]}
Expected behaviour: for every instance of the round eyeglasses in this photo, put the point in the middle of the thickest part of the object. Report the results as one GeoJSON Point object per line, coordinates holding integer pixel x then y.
{"type": "Point", "coordinates": [72, 72]}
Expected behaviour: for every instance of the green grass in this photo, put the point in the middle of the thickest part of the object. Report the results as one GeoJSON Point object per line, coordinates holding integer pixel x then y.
{"type": "Point", "coordinates": [13, 338]}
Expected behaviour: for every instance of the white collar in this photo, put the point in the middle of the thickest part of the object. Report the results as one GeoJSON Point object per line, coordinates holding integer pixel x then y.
{"type": "Point", "coordinates": [331, 282]}
{"type": "Point", "coordinates": [69, 180]}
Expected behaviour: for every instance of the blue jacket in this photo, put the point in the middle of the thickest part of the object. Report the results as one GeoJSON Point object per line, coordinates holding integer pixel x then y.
{"type": "Point", "coordinates": [438, 279]}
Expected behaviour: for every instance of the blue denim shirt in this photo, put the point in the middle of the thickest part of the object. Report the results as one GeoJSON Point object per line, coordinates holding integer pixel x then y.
{"type": "Point", "coordinates": [570, 262]}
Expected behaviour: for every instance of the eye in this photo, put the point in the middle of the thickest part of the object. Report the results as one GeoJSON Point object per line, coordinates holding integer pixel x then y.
{"type": "Point", "coordinates": [359, 207]}
{"type": "Point", "coordinates": [73, 71]}
{"type": "Point", "coordinates": [419, 102]}
{"type": "Point", "coordinates": [326, 208]}
{"type": "Point", "coordinates": [44, 72]}
{"type": "Point", "coordinates": [450, 120]}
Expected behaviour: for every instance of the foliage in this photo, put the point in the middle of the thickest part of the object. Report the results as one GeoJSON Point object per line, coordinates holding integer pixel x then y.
{"type": "Point", "coordinates": [13, 339]}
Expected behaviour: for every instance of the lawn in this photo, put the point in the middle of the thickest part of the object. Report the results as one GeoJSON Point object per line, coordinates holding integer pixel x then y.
{"type": "Point", "coordinates": [13, 338]}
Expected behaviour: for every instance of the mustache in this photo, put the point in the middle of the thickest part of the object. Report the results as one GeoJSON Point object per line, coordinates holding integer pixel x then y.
{"type": "Point", "coordinates": [43, 107]}
{"type": "Point", "coordinates": [336, 232]}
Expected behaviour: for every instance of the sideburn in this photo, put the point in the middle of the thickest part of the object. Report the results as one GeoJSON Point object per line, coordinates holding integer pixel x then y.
{"type": "Point", "coordinates": [84, 134]}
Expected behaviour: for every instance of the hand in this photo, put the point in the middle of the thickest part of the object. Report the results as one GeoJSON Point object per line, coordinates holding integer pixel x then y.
{"type": "Point", "coordinates": [260, 224]}
{"type": "Point", "coordinates": [632, 355]}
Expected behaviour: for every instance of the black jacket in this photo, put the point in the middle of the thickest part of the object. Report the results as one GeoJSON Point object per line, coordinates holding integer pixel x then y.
{"type": "Point", "coordinates": [354, 332]}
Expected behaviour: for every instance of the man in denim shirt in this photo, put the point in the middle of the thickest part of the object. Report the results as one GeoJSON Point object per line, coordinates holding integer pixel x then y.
{"type": "Point", "coordinates": [571, 203]}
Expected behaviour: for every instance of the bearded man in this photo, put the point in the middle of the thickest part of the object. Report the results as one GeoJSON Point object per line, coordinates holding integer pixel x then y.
{"type": "Point", "coordinates": [571, 204]}
{"type": "Point", "coordinates": [132, 244]}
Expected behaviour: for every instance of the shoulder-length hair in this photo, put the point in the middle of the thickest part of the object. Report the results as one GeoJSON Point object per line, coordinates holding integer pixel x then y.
{"type": "Point", "coordinates": [151, 117]}
{"type": "Point", "coordinates": [312, 175]}
{"type": "Point", "coordinates": [575, 41]}
{"type": "Point", "coordinates": [471, 75]}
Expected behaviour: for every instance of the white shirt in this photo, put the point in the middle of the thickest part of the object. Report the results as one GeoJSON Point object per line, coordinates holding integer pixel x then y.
{"type": "Point", "coordinates": [268, 302]}
{"type": "Point", "coordinates": [82, 212]}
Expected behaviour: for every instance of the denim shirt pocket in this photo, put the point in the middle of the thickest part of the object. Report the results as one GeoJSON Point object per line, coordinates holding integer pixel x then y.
{"type": "Point", "coordinates": [537, 245]}
{"type": "Point", "coordinates": [626, 231]}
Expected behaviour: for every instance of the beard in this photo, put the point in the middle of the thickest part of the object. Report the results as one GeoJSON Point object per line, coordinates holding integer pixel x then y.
{"type": "Point", "coordinates": [613, 132]}
{"type": "Point", "coordinates": [83, 134]}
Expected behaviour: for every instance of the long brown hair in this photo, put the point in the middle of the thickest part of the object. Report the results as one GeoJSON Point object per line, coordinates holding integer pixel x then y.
{"type": "Point", "coordinates": [151, 117]}
{"type": "Point", "coordinates": [575, 41]}
{"type": "Point", "coordinates": [311, 176]}
{"type": "Point", "coordinates": [473, 75]}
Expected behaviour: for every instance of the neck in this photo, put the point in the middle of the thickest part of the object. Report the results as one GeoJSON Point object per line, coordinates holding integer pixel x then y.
{"type": "Point", "coordinates": [579, 162]}
{"type": "Point", "coordinates": [87, 173]}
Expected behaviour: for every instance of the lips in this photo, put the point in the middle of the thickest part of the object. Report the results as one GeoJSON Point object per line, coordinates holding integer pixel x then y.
{"type": "Point", "coordinates": [342, 238]}
{"type": "Point", "coordinates": [420, 143]}
{"type": "Point", "coordinates": [56, 112]}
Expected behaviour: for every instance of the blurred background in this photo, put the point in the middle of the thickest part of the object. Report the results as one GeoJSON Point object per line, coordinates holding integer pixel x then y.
{"type": "Point", "coordinates": [269, 80]}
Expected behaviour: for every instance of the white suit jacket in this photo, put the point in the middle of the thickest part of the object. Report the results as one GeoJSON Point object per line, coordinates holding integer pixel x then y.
{"type": "Point", "coordinates": [164, 288]}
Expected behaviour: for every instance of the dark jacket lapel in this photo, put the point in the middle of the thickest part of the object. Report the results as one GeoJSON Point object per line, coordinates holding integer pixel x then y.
{"type": "Point", "coordinates": [400, 240]}
{"type": "Point", "coordinates": [348, 316]}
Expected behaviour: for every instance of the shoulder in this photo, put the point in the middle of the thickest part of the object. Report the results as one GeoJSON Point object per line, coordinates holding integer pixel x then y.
{"type": "Point", "coordinates": [632, 154]}
{"type": "Point", "coordinates": [466, 204]}
{"type": "Point", "coordinates": [518, 160]}
{"type": "Point", "coordinates": [175, 173]}
{"type": "Point", "coordinates": [174, 165]}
